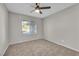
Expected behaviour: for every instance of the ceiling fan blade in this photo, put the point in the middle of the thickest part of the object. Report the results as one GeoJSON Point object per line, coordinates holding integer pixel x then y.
{"type": "Point", "coordinates": [45, 7]}
{"type": "Point", "coordinates": [40, 12]}
{"type": "Point", "coordinates": [37, 4]}
{"type": "Point", "coordinates": [32, 11]}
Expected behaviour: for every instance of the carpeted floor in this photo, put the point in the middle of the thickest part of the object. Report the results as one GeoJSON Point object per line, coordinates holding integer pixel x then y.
{"type": "Point", "coordinates": [39, 47]}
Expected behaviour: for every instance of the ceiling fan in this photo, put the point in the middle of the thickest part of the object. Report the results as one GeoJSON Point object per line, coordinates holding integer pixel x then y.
{"type": "Point", "coordinates": [39, 9]}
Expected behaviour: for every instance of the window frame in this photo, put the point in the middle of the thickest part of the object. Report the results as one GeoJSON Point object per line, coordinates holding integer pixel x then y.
{"type": "Point", "coordinates": [35, 25]}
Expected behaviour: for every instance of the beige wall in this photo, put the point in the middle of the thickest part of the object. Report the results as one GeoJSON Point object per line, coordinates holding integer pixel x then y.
{"type": "Point", "coordinates": [15, 33]}
{"type": "Point", "coordinates": [63, 27]}
{"type": "Point", "coordinates": [3, 29]}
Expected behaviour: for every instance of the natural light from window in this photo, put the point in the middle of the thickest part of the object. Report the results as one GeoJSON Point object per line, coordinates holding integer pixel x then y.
{"type": "Point", "coordinates": [29, 27]}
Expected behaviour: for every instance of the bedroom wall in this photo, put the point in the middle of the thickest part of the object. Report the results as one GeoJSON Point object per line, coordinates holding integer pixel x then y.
{"type": "Point", "coordinates": [3, 29]}
{"type": "Point", "coordinates": [63, 28]}
{"type": "Point", "coordinates": [15, 33]}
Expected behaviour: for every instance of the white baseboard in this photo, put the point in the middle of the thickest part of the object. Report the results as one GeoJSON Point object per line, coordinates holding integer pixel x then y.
{"type": "Point", "coordinates": [65, 46]}
{"type": "Point", "coordinates": [11, 43]}
{"type": "Point", "coordinates": [4, 50]}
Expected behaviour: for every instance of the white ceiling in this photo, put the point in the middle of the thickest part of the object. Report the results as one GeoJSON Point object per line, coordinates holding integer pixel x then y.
{"type": "Point", "coordinates": [26, 8]}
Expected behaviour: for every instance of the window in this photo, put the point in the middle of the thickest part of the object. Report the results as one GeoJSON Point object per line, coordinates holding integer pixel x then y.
{"type": "Point", "coordinates": [29, 27]}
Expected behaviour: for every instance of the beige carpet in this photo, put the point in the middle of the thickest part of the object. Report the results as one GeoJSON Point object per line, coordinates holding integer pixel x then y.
{"type": "Point", "coordinates": [39, 47]}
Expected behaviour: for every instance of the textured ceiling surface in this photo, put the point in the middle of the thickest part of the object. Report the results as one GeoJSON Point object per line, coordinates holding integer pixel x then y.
{"type": "Point", "coordinates": [26, 8]}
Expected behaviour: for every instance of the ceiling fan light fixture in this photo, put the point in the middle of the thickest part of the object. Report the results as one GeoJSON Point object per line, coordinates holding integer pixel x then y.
{"type": "Point", "coordinates": [37, 10]}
